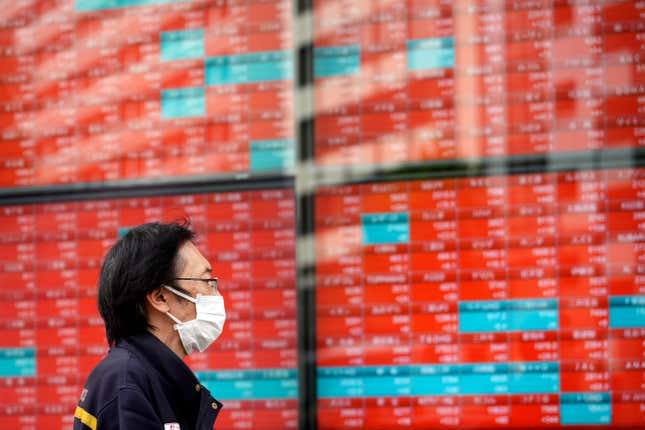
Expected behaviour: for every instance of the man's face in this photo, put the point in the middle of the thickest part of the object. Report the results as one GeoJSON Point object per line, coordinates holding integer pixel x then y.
{"type": "Point", "coordinates": [192, 265]}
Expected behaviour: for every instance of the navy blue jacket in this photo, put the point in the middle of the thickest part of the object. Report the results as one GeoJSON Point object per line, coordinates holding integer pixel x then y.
{"type": "Point", "coordinates": [142, 384]}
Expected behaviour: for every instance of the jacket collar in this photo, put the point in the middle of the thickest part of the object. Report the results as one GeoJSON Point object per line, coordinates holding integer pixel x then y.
{"type": "Point", "coordinates": [175, 374]}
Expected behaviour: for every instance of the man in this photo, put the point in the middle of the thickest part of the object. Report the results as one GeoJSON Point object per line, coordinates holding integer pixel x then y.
{"type": "Point", "coordinates": [159, 302]}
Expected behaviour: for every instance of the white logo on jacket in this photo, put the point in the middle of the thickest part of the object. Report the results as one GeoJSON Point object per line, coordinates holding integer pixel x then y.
{"type": "Point", "coordinates": [171, 426]}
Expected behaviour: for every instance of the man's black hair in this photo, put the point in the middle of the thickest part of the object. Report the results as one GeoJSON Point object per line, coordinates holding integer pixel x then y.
{"type": "Point", "coordinates": [138, 263]}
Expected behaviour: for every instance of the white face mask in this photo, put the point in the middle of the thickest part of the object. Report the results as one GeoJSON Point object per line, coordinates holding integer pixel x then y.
{"type": "Point", "coordinates": [198, 334]}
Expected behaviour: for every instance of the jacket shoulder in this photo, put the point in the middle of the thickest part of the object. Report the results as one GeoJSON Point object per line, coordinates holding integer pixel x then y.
{"type": "Point", "coordinates": [120, 369]}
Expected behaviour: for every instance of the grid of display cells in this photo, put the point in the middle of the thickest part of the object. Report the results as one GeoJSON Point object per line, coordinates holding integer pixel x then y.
{"type": "Point", "coordinates": [51, 335]}
{"type": "Point", "coordinates": [424, 80]}
{"type": "Point", "coordinates": [95, 90]}
{"type": "Point", "coordinates": [513, 301]}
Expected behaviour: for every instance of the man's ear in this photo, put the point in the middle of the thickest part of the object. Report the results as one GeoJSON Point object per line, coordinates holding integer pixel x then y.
{"type": "Point", "coordinates": [157, 300]}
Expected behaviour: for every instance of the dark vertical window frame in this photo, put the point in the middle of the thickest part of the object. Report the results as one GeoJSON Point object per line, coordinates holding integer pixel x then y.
{"type": "Point", "coordinates": [305, 243]}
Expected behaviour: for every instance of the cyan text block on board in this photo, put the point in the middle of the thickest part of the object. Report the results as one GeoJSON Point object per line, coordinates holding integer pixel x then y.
{"type": "Point", "coordinates": [183, 103]}
{"type": "Point", "coordinates": [251, 384]}
{"type": "Point", "coordinates": [17, 362]}
{"type": "Point", "coordinates": [182, 45]}
{"type": "Point", "coordinates": [427, 54]}
{"type": "Point", "coordinates": [440, 379]}
{"type": "Point", "coordinates": [92, 5]}
{"type": "Point", "coordinates": [508, 315]}
{"type": "Point", "coordinates": [249, 68]}
{"type": "Point", "coordinates": [272, 154]}
{"type": "Point", "coordinates": [627, 311]}
{"type": "Point", "coordinates": [337, 61]}
{"type": "Point", "coordinates": [585, 408]}
{"type": "Point", "coordinates": [385, 228]}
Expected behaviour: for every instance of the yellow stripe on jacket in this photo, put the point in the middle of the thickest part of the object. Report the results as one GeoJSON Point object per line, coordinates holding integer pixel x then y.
{"type": "Point", "coordinates": [85, 417]}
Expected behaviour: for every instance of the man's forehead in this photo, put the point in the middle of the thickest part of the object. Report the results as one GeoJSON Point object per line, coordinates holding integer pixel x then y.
{"type": "Point", "coordinates": [192, 260]}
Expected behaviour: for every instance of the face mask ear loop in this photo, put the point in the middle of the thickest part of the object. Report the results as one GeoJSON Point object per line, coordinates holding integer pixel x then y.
{"type": "Point", "coordinates": [175, 319]}
{"type": "Point", "coordinates": [180, 294]}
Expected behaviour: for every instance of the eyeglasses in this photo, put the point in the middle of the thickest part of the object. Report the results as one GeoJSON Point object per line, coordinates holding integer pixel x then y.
{"type": "Point", "coordinates": [212, 282]}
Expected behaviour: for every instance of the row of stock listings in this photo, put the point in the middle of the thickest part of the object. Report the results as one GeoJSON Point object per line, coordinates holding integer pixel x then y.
{"type": "Point", "coordinates": [499, 300]}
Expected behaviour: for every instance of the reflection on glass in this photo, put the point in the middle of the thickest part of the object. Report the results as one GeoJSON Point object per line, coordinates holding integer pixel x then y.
{"type": "Point", "coordinates": [103, 90]}
{"type": "Point", "coordinates": [433, 80]}
{"type": "Point", "coordinates": [475, 301]}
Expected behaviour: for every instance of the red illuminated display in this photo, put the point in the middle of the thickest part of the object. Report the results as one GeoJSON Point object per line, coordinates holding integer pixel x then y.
{"type": "Point", "coordinates": [50, 256]}
{"type": "Point", "coordinates": [572, 239]}
{"type": "Point", "coordinates": [495, 78]}
{"type": "Point", "coordinates": [82, 84]}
